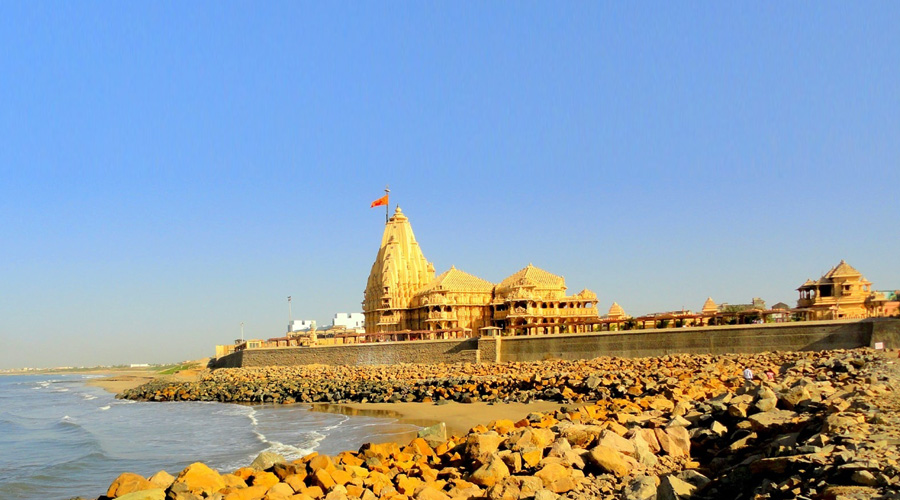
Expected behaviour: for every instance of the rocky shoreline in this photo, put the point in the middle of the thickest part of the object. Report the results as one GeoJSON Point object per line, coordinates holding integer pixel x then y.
{"type": "Point", "coordinates": [663, 428]}
{"type": "Point", "coordinates": [558, 381]}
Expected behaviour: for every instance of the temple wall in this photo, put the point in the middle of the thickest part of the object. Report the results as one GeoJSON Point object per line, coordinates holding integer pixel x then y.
{"type": "Point", "coordinates": [379, 353]}
{"type": "Point", "coordinates": [798, 336]}
{"type": "Point", "coordinates": [812, 335]}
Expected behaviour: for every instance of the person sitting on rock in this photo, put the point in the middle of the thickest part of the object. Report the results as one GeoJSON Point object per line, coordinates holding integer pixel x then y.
{"type": "Point", "coordinates": [748, 374]}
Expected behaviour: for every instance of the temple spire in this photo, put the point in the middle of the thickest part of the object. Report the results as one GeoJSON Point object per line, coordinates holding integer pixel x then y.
{"type": "Point", "coordinates": [400, 269]}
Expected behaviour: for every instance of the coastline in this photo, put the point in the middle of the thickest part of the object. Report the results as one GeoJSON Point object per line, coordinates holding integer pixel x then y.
{"type": "Point", "coordinates": [689, 424]}
{"type": "Point", "coordinates": [117, 382]}
{"type": "Point", "coordinates": [458, 417]}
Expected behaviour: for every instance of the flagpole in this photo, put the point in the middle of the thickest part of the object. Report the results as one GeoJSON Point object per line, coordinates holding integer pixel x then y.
{"type": "Point", "coordinates": [387, 206]}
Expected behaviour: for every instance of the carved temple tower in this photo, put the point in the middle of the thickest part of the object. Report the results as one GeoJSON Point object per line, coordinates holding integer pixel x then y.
{"type": "Point", "coordinates": [399, 272]}
{"type": "Point", "coordinates": [404, 300]}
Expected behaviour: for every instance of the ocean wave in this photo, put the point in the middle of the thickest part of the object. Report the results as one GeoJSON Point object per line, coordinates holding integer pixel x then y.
{"type": "Point", "coordinates": [88, 397]}
{"type": "Point", "coordinates": [8, 425]}
{"type": "Point", "coordinates": [68, 422]}
{"type": "Point", "coordinates": [104, 408]}
{"type": "Point", "coordinates": [289, 452]}
{"type": "Point", "coordinates": [335, 426]}
{"type": "Point", "coordinates": [316, 439]}
{"type": "Point", "coordinates": [260, 436]}
{"type": "Point", "coordinates": [82, 462]}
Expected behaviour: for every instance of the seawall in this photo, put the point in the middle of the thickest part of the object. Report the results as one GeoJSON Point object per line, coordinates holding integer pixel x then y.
{"type": "Point", "coordinates": [798, 336]}
{"type": "Point", "coordinates": [381, 353]}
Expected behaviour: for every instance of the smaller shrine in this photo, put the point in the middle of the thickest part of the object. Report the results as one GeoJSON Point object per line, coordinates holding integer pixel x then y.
{"type": "Point", "coordinates": [841, 293]}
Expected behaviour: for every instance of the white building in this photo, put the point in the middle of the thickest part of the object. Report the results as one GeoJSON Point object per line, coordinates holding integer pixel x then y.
{"type": "Point", "coordinates": [349, 320]}
{"type": "Point", "coordinates": [302, 325]}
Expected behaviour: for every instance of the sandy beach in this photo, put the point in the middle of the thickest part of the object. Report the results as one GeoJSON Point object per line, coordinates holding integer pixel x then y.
{"type": "Point", "coordinates": [121, 381]}
{"type": "Point", "coordinates": [124, 380]}
{"type": "Point", "coordinates": [676, 423]}
{"type": "Point", "coordinates": [458, 417]}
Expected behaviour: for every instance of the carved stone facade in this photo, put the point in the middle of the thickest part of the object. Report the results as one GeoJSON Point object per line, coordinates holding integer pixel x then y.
{"type": "Point", "coordinates": [403, 296]}
{"type": "Point", "coordinates": [455, 300]}
{"type": "Point", "coordinates": [399, 272]}
{"type": "Point", "coordinates": [841, 293]}
{"type": "Point", "coordinates": [533, 301]}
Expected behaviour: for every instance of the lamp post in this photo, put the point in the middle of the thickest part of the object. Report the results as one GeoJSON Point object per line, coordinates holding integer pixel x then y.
{"type": "Point", "coordinates": [242, 331]}
{"type": "Point", "coordinates": [290, 316]}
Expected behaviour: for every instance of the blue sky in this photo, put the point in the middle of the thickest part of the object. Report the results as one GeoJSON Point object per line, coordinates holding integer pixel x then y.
{"type": "Point", "coordinates": [171, 170]}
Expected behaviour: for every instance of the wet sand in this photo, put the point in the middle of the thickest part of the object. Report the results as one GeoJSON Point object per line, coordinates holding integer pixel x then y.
{"type": "Point", "coordinates": [120, 381]}
{"type": "Point", "coordinates": [459, 417]}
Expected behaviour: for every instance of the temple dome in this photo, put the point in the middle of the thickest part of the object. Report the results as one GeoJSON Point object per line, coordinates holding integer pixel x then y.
{"type": "Point", "coordinates": [616, 311]}
{"type": "Point", "coordinates": [454, 280]}
{"type": "Point", "coordinates": [842, 270]}
{"type": "Point", "coordinates": [709, 306]}
{"type": "Point", "coordinates": [531, 277]}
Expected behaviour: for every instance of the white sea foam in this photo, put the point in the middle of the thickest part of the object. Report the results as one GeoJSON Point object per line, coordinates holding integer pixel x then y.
{"type": "Point", "coordinates": [104, 408]}
{"type": "Point", "coordinates": [317, 438]}
{"type": "Point", "coordinates": [252, 417]}
{"type": "Point", "coordinates": [88, 397]}
{"type": "Point", "coordinates": [288, 451]}
{"type": "Point", "coordinates": [335, 426]}
{"type": "Point", "coordinates": [260, 436]}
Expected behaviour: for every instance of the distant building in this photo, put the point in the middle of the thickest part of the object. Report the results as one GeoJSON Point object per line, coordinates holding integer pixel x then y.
{"type": "Point", "coordinates": [710, 314]}
{"type": "Point", "coordinates": [756, 303]}
{"type": "Point", "coordinates": [302, 325]}
{"type": "Point", "coordinates": [349, 320]}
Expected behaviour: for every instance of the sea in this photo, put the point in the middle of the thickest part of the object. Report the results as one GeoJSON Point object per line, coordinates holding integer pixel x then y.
{"type": "Point", "coordinates": [61, 438]}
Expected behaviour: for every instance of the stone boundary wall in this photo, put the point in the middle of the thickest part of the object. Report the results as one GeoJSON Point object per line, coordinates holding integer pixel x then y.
{"type": "Point", "coordinates": [381, 353]}
{"type": "Point", "coordinates": [799, 336]}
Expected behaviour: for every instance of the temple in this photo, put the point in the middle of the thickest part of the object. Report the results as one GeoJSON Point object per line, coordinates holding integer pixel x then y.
{"type": "Point", "coordinates": [399, 272]}
{"type": "Point", "coordinates": [404, 300]}
{"type": "Point", "coordinates": [841, 293]}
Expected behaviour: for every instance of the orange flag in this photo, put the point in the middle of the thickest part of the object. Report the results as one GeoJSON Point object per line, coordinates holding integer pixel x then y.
{"type": "Point", "coordinates": [379, 202]}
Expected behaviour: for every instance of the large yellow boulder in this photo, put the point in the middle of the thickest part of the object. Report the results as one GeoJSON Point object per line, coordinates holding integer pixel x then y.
{"type": "Point", "coordinates": [490, 473]}
{"type": "Point", "coordinates": [128, 483]}
{"type": "Point", "coordinates": [199, 478]}
{"type": "Point", "coordinates": [609, 460]}
{"type": "Point", "coordinates": [162, 479]}
{"type": "Point", "coordinates": [261, 478]}
{"type": "Point", "coordinates": [152, 494]}
{"type": "Point", "coordinates": [248, 493]}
